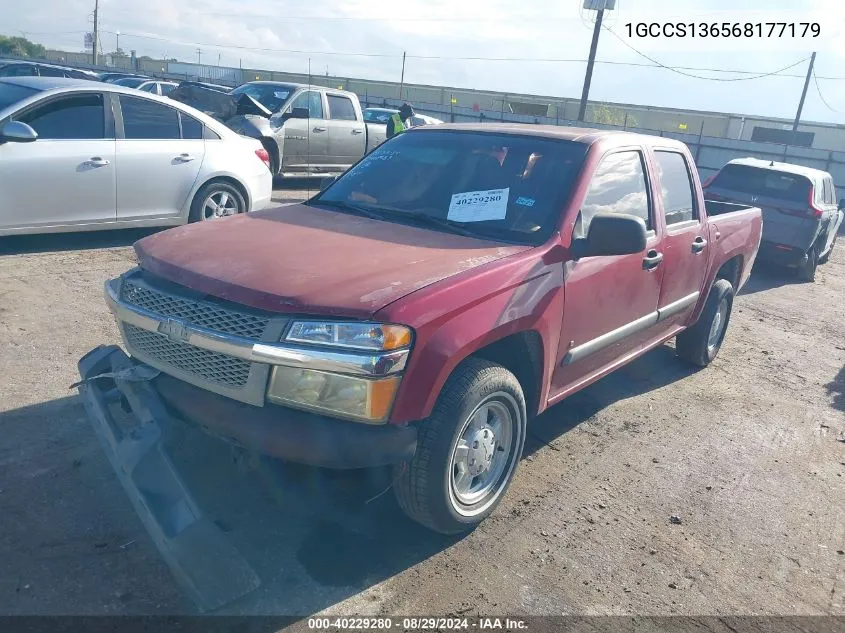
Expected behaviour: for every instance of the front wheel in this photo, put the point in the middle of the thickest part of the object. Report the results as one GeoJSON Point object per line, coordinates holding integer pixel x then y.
{"type": "Point", "coordinates": [700, 343]}
{"type": "Point", "coordinates": [467, 450]}
{"type": "Point", "coordinates": [216, 200]}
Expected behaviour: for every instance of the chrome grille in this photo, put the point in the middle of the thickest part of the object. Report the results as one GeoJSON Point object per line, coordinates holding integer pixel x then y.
{"type": "Point", "coordinates": [198, 313]}
{"type": "Point", "coordinates": [221, 369]}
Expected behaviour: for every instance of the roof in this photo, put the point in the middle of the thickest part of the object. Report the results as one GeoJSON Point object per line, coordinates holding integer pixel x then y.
{"type": "Point", "coordinates": [789, 168]}
{"type": "Point", "coordinates": [576, 134]}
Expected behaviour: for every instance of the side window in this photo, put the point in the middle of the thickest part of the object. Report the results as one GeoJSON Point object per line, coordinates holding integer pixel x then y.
{"type": "Point", "coordinates": [166, 89]}
{"type": "Point", "coordinates": [145, 119]}
{"type": "Point", "coordinates": [23, 70]}
{"type": "Point", "coordinates": [311, 100]}
{"type": "Point", "coordinates": [150, 87]}
{"type": "Point", "coordinates": [191, 128]}
{"type": "Point", "coordinates": [46, 71]}
{"type": "Point", "coordinates": [828, 191]}
{"type": "Point", "coordinates": [676, 188]}
{"type": "Point", "coordinates": [75, 117]}
{"type": "Point", "coordinates": [341, 108]}
{"type": "Point", "coordinates": [618, 186]}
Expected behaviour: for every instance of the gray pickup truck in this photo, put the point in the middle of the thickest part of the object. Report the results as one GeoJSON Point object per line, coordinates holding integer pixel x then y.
{"type": "Point", "coordinates": [307, 130]}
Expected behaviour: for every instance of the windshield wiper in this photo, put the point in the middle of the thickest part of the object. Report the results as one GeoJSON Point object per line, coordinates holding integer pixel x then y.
{"type": "Point", "coordinates": [431, 220]}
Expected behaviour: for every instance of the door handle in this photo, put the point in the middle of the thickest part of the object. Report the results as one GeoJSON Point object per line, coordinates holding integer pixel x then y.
{"type": "Point", "coordinates": [652, 260]}
{"type": "Point", "coordinates": [699, 244]}
{"type": "Point", "coordinates": [184, 158]}
{"type": "Point", "coordinates": [96, 161]}
{"type": "Point", "coordinates": [357, 131]}
{"type": "Point", "coordinates": [319, 129]}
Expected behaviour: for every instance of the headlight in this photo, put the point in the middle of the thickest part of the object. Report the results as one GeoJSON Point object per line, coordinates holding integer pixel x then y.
{"type": "Point", "coordinates": [353, 335]}
{"type": "Point", "coordinates": [362, 399]}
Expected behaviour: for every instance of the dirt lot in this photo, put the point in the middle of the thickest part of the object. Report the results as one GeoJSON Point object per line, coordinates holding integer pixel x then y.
{"type": "Point", "coordinates": [749, 453]}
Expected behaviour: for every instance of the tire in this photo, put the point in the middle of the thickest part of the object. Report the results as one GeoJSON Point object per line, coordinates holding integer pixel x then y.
{"type": "Point", "coordinates": [807, 270]}
{"type": "Point", "coordinates": [700, 343]}
{"type": "Point", "coordinates": [482, 410]}
{"type": "Point", "coordinates": [274, 156]}
{"type": "Point", "coordinates": [218, 191]}
{"type": "Point", "coordinates": [824, 260]}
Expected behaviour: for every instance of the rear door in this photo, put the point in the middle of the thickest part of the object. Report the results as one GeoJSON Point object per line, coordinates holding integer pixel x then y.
{"type": "Point", "coordinates": [347, 137]}
{"type": "Point", "coordinates": [685, 237]}
{"type": "Point", "coordinates": [67, 176]}
{"type": "Point", "coordinates": [159, 153]}
{"type": "Point", "coordinates": [611, 302]}
{"type": "Point", "coordinates": [306, 141]}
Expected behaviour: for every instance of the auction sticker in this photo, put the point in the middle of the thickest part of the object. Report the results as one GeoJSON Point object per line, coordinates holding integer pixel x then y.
{"type": "Point", "coordinates": [478, 206]}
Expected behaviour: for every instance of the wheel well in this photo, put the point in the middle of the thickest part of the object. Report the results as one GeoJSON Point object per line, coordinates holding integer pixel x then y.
{"type": "Point", "coordinates": [229, 181]}
{"type": "Point", "coordinates": [731, 270]}
{"type": "Point", "coordinates": [273, 149]}
{"type": "Point", "coordinates": [522, 355]}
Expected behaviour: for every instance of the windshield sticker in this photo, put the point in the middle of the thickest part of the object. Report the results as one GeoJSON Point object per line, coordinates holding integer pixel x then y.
{"type": "Point", "coordinates": [479, 206]}
{"type": "Point", "coordinates": [281, 94]}
{"type": "Point", "coordinates": [525, 202]}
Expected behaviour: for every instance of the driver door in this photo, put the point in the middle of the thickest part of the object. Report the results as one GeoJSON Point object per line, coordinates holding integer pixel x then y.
{"type": "Point", "coordinates": [67, 176]}
{"type": "Point", "coordinates": [610, 302]}
{"type": "Point", "coordinates": [306, 141]}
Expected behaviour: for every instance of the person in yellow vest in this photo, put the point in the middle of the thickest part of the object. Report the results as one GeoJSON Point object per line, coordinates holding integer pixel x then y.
{"type": "Point", "coordinates": [400, 121]}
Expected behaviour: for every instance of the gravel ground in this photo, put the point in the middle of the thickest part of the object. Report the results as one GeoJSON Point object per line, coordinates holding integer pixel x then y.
{"type": "Point", "coordinates": [749, 454]}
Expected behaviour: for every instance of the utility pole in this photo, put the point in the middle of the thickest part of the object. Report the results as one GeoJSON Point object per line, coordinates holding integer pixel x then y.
{"type": "Point", "coordinates": [96, 34]}
{"type": "Point", "coordinates": [803, 95]}
{"type": "Point", "coordinates": [402, 79]}
{"type": "Point", "coordinates": [199, 55]}
{"type": "Point", "coordinates": [585, 93]}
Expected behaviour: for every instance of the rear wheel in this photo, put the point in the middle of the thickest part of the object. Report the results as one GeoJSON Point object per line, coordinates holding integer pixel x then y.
{"type": "Point", "coordinates": [216, 199]}
{"type": "Point", "coordinates": [807, 270]}
{"type": "Point", "coordinates": [467, 450]}
{"type": "Point", "coordinates": [700, 344]}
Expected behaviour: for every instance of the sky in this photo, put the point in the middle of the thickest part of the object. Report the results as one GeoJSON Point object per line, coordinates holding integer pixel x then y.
{"type": "Point", "coordinates": [529, 46]}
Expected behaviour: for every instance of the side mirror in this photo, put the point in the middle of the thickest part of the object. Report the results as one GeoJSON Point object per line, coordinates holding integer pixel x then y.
{"type": "Point", "coordinates": [611, 234]}
{"type": "Point", "coordinates": [298, 113]}
{"type": "Point", "coordinates": [17, 132]}
{"type": "Point", "coordinates": [326, 182]}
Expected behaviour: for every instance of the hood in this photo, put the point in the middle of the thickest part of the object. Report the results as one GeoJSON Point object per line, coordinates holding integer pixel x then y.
{"type": "Point", "coordinates": [217, 104]}
{"type": "Point", "coordinates": [301, 259]}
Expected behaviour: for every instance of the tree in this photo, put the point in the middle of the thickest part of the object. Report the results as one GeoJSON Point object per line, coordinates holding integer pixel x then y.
{"type": "Point", "coordinates": [612, 116]}
{"type": "Point", "coordinates": [20, 47]}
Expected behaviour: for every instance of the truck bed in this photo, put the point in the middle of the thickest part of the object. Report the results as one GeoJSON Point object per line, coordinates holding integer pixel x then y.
{"type": "Point", "coordinates": [717, 207]}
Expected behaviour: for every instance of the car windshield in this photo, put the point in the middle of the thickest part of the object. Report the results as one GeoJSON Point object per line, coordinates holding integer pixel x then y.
{"type": "Point", "coordinates": [130, 82]}
{"type": "Point", "coordinates": [763, 182]}
{"type": "Point", "coordinates": [271, 96]}
{"type": "Point", "coordinates": [489, 185]}
{"type": "Point", "coordinates": [11, 93]}
{"type": "Point", "coordinates": [377, 116]}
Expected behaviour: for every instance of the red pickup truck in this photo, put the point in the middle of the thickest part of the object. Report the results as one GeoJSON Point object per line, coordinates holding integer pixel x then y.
{"type": "Point", "coordinates": [420, 310]}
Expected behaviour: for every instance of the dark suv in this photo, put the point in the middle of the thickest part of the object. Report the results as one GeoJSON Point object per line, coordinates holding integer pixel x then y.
{"type": "Point", "coordinates": [35, 69]}
{"type": "Point", "coordinates": [800, 213]}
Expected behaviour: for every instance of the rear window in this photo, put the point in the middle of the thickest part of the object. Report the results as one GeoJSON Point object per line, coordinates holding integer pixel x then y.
{"type": "Point", "coordinates": [763, 182]}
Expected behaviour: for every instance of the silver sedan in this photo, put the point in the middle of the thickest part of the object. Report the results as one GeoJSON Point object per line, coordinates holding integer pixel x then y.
{"type": "Point", "coordinates": [81, 155]}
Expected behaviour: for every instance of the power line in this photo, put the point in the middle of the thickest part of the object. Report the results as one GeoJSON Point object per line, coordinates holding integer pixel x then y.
{"type": "Point", "coordinates": [685, 74]}
{"type": "Point", "coordinates": [821, 96]}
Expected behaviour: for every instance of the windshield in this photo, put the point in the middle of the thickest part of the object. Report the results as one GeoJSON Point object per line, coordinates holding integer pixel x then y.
{"type": "Point", "coordinates": [271, 96]}
{"type": "Point", "coordinates": [11, 93]}
{"type": "Point", "coordinates": [378, 116]}
{"type": "Point", "coordinates": [763, 182]}
{"type": "Point", "coordinates": [130, 82]}
{"type": "Point", "coordinates": [492, 185]}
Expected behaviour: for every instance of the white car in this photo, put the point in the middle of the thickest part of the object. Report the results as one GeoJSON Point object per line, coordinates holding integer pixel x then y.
{"type": "Point", "coordinates": [155, 86]}
{"type": "Point", "coordinates": [79, 155]}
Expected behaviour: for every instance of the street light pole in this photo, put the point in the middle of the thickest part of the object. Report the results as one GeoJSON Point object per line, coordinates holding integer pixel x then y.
{"type": "Point", "coordinates": [117, 50]}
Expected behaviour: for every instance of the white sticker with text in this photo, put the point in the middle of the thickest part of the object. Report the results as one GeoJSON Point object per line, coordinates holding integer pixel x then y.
{"type": "Point", "coordinates": [478, 206]}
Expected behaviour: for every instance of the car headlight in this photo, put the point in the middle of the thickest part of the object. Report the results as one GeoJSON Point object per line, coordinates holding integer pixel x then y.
{"type": "Point", "coordinates": [361, 399]}
{"type": "Point", "coordinates": [352, 335]}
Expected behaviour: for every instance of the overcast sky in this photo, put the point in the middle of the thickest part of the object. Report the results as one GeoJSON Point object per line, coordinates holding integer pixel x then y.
{"type": "Point", "coordinates": [378, 31]}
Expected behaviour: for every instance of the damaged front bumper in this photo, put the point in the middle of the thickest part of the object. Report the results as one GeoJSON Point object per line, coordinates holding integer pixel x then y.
{"type": "Point", "coordinates": [204, 562]}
